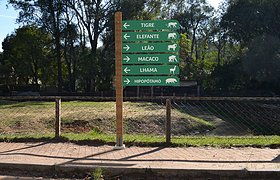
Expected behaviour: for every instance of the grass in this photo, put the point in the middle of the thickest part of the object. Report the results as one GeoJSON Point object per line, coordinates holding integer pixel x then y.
{"type": "Point", "coordinates": [139, 117]}
{"type": "Point", "coordinates": [97, 174]}
{"type": "Point", "coordinates": [144, 123]}
{"type": "Point", "coordinates": [97, 138]}
{"type": "Point", "coordinates": [253, 141]}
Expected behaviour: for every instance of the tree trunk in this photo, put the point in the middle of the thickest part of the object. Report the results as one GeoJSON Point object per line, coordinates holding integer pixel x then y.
{"type": "Point", "coordinates": [72, 66]}
{"type": "Point", "coordinates": [59, 63]}
{"type": "Point", "coordinates": [55, 22]}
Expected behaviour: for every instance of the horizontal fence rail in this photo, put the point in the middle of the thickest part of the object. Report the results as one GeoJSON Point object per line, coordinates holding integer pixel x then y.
{"type": "Point", "coordinates": [91, 98]}
{"type": "Point", "coordinates": [183, 116]}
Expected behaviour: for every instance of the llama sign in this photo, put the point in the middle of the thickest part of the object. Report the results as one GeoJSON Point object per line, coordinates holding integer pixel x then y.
{"type": "Point", "coordinates": [150, 70]}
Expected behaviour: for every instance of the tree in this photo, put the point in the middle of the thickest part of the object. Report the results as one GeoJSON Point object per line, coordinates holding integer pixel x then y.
{"type": "Point", "coordinates": [70, 37]}
{"type": "Point", "coordinates": [218, 35]}
{"type": "Point", "coordinates": [261, 63]}
{"type": "Point", "coordinates": [93, 17]}
{"type": "Point", "coordinates": [194, 17]}
{"type": "Point", "coordinates": [185, 46]}
{"type": "Point", "coordinates": [246, 20]}
{"type": "Point", "coordinates": [254, 27]}
{"type": "Point", "coordinates": [25, 55]}
{"type": "Point", "coordinates": [48, 15]}
{"type": "Point", "coordinates": [3, 70]}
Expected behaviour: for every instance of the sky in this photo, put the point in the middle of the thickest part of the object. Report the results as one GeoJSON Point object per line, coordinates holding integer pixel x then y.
{"type": "Point", "coordinates": [214, 3]}
{"type": "Point", "coordinates": [8, 18]}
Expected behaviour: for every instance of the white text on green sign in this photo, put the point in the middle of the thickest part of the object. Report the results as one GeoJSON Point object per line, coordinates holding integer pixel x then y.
{"type": "Point", "coordinates": [150, 59]}
{"type": "Point", "coordinates": [150, 36]}
{"type": "Point", "coordinates": [150, 47]}
{"type": "Point", "coordinates": [151, 70]}
{"type": "Point", "coordinates": [151, 81]}
{"type": "Point", "coordinates": [151, 25]}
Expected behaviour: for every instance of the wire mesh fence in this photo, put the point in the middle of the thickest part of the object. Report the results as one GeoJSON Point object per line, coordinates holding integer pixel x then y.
{"type": "Point", "coordinates": [19, 117]}
{"type": "Point", "coordinates": [85, 116]}
{"type": "Point", "coordinates": [189, 116]}
{"type": "Point", "coordinates": [228, 117]}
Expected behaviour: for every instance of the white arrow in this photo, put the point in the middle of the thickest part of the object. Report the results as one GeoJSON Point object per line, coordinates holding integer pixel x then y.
{"type": "Point", "coordinates": [127, 59]}
{"type": "Point", "coordinates": [127, 81]}
{"type": "Point", "coordinates": [126, 70]}
{"type": "Point", "coordinates": [125, 25]}
{"type": "Point", "coordinates": [126, 47]}
{"type": "Point", "coordinates": [126, 36]}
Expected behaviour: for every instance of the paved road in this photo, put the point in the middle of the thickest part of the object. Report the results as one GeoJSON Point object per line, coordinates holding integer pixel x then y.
{"type": "Point", "coordinates": [191, 161]}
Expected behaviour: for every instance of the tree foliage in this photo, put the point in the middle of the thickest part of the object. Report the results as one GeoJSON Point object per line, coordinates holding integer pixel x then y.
{"type": "Point", "coordinates": [235, 47]}
{"type": "Point", "coordinates": [26, 56]}
{"type": "Point", "coordinates": [254, 26]}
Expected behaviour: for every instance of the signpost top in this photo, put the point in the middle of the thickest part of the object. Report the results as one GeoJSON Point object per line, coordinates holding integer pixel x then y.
{"type": "Point", "coordinates": [150, 25]}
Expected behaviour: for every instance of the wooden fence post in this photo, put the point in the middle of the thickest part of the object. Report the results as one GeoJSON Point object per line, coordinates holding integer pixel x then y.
{"type": "Point", "coordinates": [57, 117]}
{"type": "Point", "coordinates": [168, 122]}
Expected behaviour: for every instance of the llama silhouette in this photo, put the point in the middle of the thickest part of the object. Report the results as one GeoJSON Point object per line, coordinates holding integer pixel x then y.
{"type": "Point", "coordinates": [172, 70]}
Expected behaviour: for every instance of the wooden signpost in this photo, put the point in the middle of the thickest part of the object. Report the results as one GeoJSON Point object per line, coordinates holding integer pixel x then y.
{"type": "Point", "coordinates": [148, 49]}
{"type": "Point", "coordinates": [119, 88]}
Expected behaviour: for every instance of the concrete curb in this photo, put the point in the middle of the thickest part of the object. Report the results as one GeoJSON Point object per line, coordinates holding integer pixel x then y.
{"type": "Point", "coordinates": [134, 172]}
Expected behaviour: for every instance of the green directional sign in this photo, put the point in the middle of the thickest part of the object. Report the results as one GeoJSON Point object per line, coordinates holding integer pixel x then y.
{"type": "Point", "coordinates": [150, 47]}
{"type": "Point", "coordinates": [150, 53]}
{"type": "Point", "coordinates": [151, 25]}
{"type": "Point", "coordinates": [150, 36]}
{"type": "Point", "coordinates": [150, 59]}
{"type": "Point", "coordinates": [151, 81]}
{"type": "Point", "coordinates": [151, 70]}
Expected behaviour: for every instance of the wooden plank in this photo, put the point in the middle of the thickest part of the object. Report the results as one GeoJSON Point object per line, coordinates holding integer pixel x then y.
{"type": "Point", "coordinates": [57, 117]}
{"type": "Point", "coordinates": [119, 88]}
{"type": "Point", "coordinates": [168, 122]}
